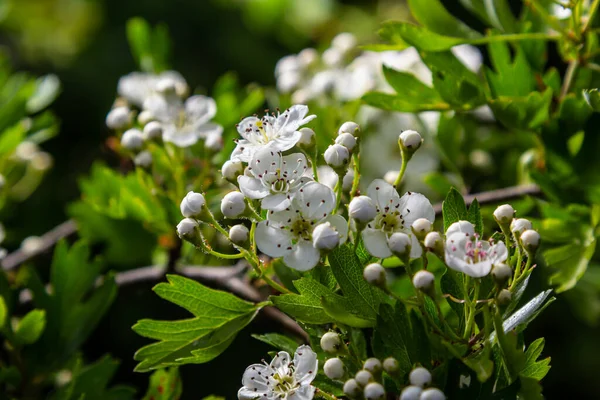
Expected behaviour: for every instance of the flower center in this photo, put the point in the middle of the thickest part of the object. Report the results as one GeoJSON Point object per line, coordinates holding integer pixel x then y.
{"type": "Point", "coordinates": [301, 228]}
{"type": "Point", "coordinates": [475, 252]}
{"type": "Point", "coordinates": [389, 221]}
{"type": "Point", "coordinates": [285, 384]}
{"type": "Point", "coordinates": [280, 185]}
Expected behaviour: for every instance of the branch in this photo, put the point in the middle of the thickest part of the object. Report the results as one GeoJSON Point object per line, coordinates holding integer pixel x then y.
{"type": "Point", "coordinates": [496, 196]}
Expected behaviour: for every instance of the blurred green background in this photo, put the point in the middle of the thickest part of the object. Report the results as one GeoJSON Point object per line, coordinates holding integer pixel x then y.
{"type": "Point", "coordinates": [83, 42]}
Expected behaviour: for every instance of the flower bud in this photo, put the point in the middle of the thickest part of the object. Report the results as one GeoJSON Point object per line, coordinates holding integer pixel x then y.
{"type": "Point", "coordinates": [424, 281]}
{"type": "Point", "coordinates": [374, 391]}
{"type": "Point", "coordinates": [504, 214]}
{"type": "Point", "coordinates": [132, 139]}
{"type": "Point", "coordinates": [363, 377]}
{"type": "Point", "coordinates": [362, 209]}
{"type": "Point", "coordinates": [421, 227]}
{"type": "Point", "coordinates": [307, 138]}
{"type": "Point", "coordinates": [233, 204]}
{"type": "Point", "coordinates": [351, 388]}
{"type": "Point", "coordinates": [239, 234]}
{"type": "Point", "coordinates": [118, 118]}
{"type": "Point", "coordinates": [391, 365]}
{"type": "Point", "coordinates": [504, 297]}
{"type": "Point", "coordinates": [411, 393]}
{"type": "Point", "coordinates": [41, 161]}
{"type": "Point", "coordinates": [331, 342]}
{"type": "Point", "coordinates": [501, 273]}
{"type": "Point", "coordinates": [337, 156]}
{"type": "Point", "coordinates": [434, 243]}
{"type": "Point", "coordinates": [391, 176]}
{"type": "Point", "coordinates": [432, 394]}
{"type": "Point", "coordinates": [2, 183]}
{"type": "Point", "coordinates": [186, 229]}
{"type": "Point", "coordinates": [144, 117]}
{"type": "Point", "coordinates": [347, 140]}
{"type": "Point", "coordinates": [231, 170]}
{"type": "Point", "coordinates": [349, 127]}
{"type": "Point", "coordinates": [375, 274]}
{"type": "Point", "coordinates": [348, 180]}
{"type": "Point", "coordinates": [332, 57]}
{"type": "Point", "coordinates": [530, 240]}
{"type": "Point", "coordinates": [308, 57]}
{"type": "Point", "coordinates": [519, 225]}
{"type": "Point", "coordinates": [325, 237]}
{"type": "Point", "coordinates": [334, 368]}
{"type": "Point", "coordinates": [410, 141]}
{"type": "Point", "coordinates": [400, 244]}
{"type": "Point", "coordinates": [373, 365]}
{"type": "Point", "coordinates": [153, 130]}
{"type": "Point", "coordinates": [344, 42]}
{"type": "Point", "coordinates": [192, 204]}
{"type": "Point", "coordinates": [420, 377]}
{"type": "Point", "coordinates": [143, 159]}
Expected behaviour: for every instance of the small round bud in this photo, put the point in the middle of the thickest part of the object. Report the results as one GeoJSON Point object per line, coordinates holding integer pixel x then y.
{"type": "Point", "coordinates": [166, 86]}
{"type": "Point", "coordinates": [331, 342]}
{"type": "Point", "coordinates": [410, 141]}
{"type": "Point", "coordinates": [32, 244]}
{"type": "Point", "coordinates": [308, 57]}
{"type": "Point", "coordinates": [432, 394]}
{"type": "Point", "coordinates": [344, 42]}
{"type": "Point", "coordinates": [337, 156]}
{"type": "Point", "coordinates": [375, 274]}
{"type": "Point", "coordinates": [391, 365]}
{"type": "Point", "coordinates": [363, 377]}
{"type": "Point", "coordinates": [421, 227]}
{"type": "Point", "coordinates": [400, 244]}
{"type": "Point", "coordinates": [26, 151]}
{"type": "Point", "coordinates": [424, 281]}
{"type": "Point", "coordinates": [2, 181]}
{"type": "Point", "coordinates": [348, 180]}
{"type": "Point", "coordinates": [390, 177]}
{"type": "Point", "coordinates": [420, 377]}
{"type": "Point", "coordinates": [501, 273]}
{"type": "Point", "coordinates": [144, 117]}
{"type": "Point", "coordinates": [132, 139]}
{"type": "Point", "coordinates": [332, 57]}
{"type": "Point", "coordinates": [187, 228]}
{"type": "Point", "coordinates": [334, 368]}
{"type": "Point", "coordinates": [530, 240]}
{"type": "Point", "coordinates": [347, 140]}
{"type": "Point", "coordinates": [349, 127]}
{"type": "Point", "coordinates": [41, 161]}
{"type": "Point", "coordinates": [374, 391]}
{"type": "Point", "coordinates": [192, 204]}
{"type": "Point", "coordinates": [231, 170]}
{"type": "Point", "coordinates": [504, 297]}
{"type": "Point", "coordinates": [307, 138]}
{"type": "Point", "coordinates": [362, 209]}
{"type": "Point", "coordinates": [118, 118]}
{"type": "Point", "coordinates": [233, 204]}
{"type": "Point", "coordinates": [153, 130]}
{"type": "Point", "coordinates": [143, 159]}
{"type": "Point", "coordinates": [351, 388]}
{"type": "Point", "coordinates": [239, 234]}
{"type": "Point", "coordinates": [504, 214]}
{"type": "Point", "coordinates": [434, 243]}
{"type": "Point", "coordinates": [373, 365]}
{"type": "Point", "coordinates": [325, 236]}
{"type": "Point", "coordinates": [411, 393]}
{"type": "Point", "coordinates": [519, 225]}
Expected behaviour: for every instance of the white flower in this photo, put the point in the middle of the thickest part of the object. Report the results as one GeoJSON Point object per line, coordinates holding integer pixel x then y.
{"type": "Point", "coordinates": [464, 227]}
{"type": "Point", "coordinates": [327, 176]}
{"type": "Point", "coordinates": [184, 123]}
{"type": "Point", "coordinates": [283, 378]}
{"type": "Point", "coordinates": [278, 133]}
{"type": "Point", "coordinates": [466, 253]}
{"type": "Point", "coordinates": [274, 178]}
{"type": "Point", "coordinates": [289, 233]}
{"type": "Point", "coordinates": [136, 87]}
{"type": "Point", "coordinates": [394, 214]}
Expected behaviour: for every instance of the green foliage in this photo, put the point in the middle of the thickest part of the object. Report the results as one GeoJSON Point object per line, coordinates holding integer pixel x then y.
{"type": "Point", "coordinates": [280, 342]}
{"type": "Point", "coordinates": [535, 369]}
{"type": "Point", "coordinates": [150, 47]}
{"type": "Point", "coordinates": [165, 384]}
{"type": "Point", "coordinates": [218, 317]}
{"type": "Point", "coordinates": [454, 209]}
{"type": "Point", "coordinates": [306, 306]}
{"type": "Point", "coordinates": [30, 328]}
{"type": "Point", "coordinates": [3, 312]}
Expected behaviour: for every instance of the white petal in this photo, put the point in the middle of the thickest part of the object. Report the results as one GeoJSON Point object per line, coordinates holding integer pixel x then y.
{"type": "Point", "coordinates": [263, 161]}
{"type": "Point", "coordinates": [315, 200]}
{"type": "Point", "coordinates": [178, 137]}
{"type": "Point", "coordinates": [340, 225]}
{"type": "Point", "coordinates": [292, 118]}
{"type": "Point", "coordinates": [293, 165]}
{"type": "Point", "coordinates": [246, 125]}
{"type": "Point", "coordinates": [281, 362]}
{"type": "Point", "coordinates": [276, 202]}
{"type": "Point", "coordinates": [383, 194]}
{"type": "Point", "coordinates": [477, 270]}
{"type": "Point", "coordinates": [243, 151]}
{"type": "Point", "coordinates": [283, 143]}
{"type": "Point", "coordinates": [327, 176]}
{"type": "Point", "coordinates": [252, 188]}
{"type": "Point", "coordinates": [206, 130]}
{"type": "Point", "coordinates": [256, 377]}
{"type": "Point", "coordinates": [274, 242]}
{"type": "Point", "coordinates": [306, 363]}
{"type": "Point", "coordinates": [249, 394]}
{"type": "Point", "coordinates": [463, 227]}
{"type": "Point", "coordinates": [415, 247]}
{"type": "Point", "coordinates": [303, 393]}
{"type": "Point", "coordinates": [200, 109]}
{"type": "Point", "coordinates": [456, 244]}
{"type": "Point", "coordinates": [376, 243]}
{"type": "Point", "coordinates": [303, 256]}
{"type": "Point", "coordinates": [414, 206]}
{"type": "Point", "coordinates": [498, 253]}
{"type": "Point", "coordinates": [282, 218]}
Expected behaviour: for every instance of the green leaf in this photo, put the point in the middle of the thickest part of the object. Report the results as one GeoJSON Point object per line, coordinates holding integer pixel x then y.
{"type": "Point", "coordinates": [305, 307]}
{"type": "Point", "coordinates": [342, 311]}
{"type": "Point", "coordinates": [433, 15]}
{"type": "Point", "coordinates": [592, 96]}
{"type": "Point", "coordinates": [10, 375]}
{"type": "Point", "coordinates": [535, 369]}
{"type": "Point", "coordinates": [393, 329]}
{"type": "Point", "coordinates": [496, 13]}
{"type": "Point", "coordinates": [218, 317]}
{"type": "Point", "coordinates": [511, 78]}
{"type": "Point", "coordinates": [526, 112]}
{"type": "Point", "coordinates": [453, 208]}
{"type": "Point", "coordinates": [31, 327]}
{"type": "Point", "coordinates": [3, 312]}
{"type": "Point", "coordinates": [418, 36]}
{"type": "Point", "coordinates": [165, 384]}
{"type": "Point", "coordinates": [402, 103]}
{"type": "Point", "coordinates": [452, 283]}
{"type": "Point", "coordinates": [280, 342]}
{"type": "Point", "coordinates": [474, 216]}
{"type": "Point", "coordinates": [139, 34]}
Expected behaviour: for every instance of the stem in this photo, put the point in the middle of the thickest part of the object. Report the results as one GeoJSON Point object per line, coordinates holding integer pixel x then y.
{"type": "Point", "coordinates": [313, 162]}
{"type": "Point", "coordinates": [325, 395]}
{"type": "Point", "coordinates": [569, 75]}
{"type": "Point", "coordinates": [257, 217]}
{"type": "Point", "coordinates": [503, 343]}
{"type": "Point", "coordinates": [356, 179]}
{"type": "Point", "coordinates": [591, 15]}
{"type": "Point", "coordinates": [516, 36]}
{"type": "Point", "coordinates": [472, 307]}
{"type": "Point", "coordinates": [223, 255]}
{"type": "Point", "coordinates": [338, 192]}
{"type": "Point", "coordinates": [398, 180]}
{"type": "Point", "coordinates": [445, 323]}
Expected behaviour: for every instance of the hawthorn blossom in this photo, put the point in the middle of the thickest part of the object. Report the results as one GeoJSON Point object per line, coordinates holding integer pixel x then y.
{"type": "Point", "coordinates": [289, 233]}
{"type": "Point", "coordinates": [184, 123]}
{"type": "Point", "coordinates": [274, 178]}
{"type": "Point", "coordinates": [276, 132]}
{"type": "Point", "coordinates": [283, 378]}
{"type": "Point", "coordinates": [136, 87]}
{"type": "Point", "coordinates": [467, 253]}
{"type": "Point", "coordinates": [394, 214]}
